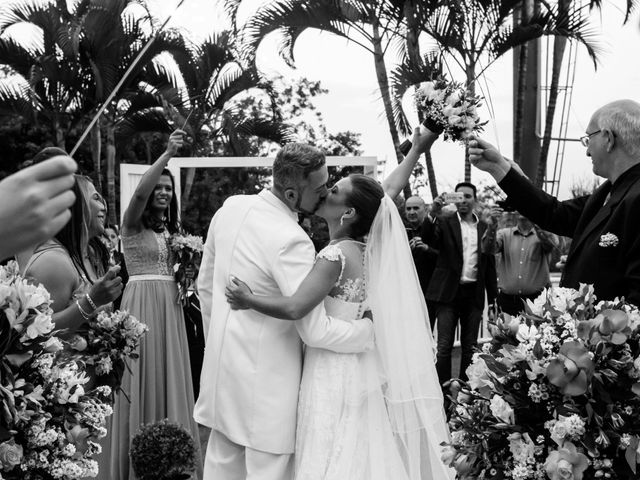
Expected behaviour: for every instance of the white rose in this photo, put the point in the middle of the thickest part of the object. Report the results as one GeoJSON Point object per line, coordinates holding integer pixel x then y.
{"type": "Point", "coordinates": [448, 455]}
{"type": "Point", "coordinates": [41, 325]}
{"type": "Point", "coordinates": [478, 374]}
{"type": "Point", "coordinates": [426, 88]}
{"type": "Point", "coordinates": [454, 119]}
{"type": "Point", "coordinates": [53, 345]}
{"type": "Point", "coordinates": [537, 306]}
{"type": "Point", "coordinates": [501, 409]}
{"type": "Point", "coordinates": [526, 333]}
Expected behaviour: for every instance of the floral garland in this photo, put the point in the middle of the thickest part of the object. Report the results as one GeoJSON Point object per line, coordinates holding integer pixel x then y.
{"type": "Point", "coordinates": [556, 394]}
{"type": "Point", "coordinates": [188, 253]}
{"type": "Point", "coordinates": [50, 414]}
{"type": "Point", "coordinates": [450, 108]}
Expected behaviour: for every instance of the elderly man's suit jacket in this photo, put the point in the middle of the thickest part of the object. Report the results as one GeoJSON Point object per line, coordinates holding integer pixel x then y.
{"type": "Point", "coordinates": [611, 212]}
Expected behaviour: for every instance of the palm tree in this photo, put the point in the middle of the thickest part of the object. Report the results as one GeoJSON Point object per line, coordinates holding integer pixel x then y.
{"type": "Point", "coordinates": [84, 52]}
{"type": "Point", "coordinates": [362, 22]}
{"type": "Point", "coordinates": [211, 78]}
{"type": "Point", "coordinates": [475, 33]}
{"type": "Point", "coordinates": [44, 83]}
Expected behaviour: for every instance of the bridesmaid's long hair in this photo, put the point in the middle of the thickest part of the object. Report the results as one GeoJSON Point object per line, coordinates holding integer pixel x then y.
{"type": "Point", "coordinates": [74, 236]}
{"type": "Point", "coordinates": [172, 222]}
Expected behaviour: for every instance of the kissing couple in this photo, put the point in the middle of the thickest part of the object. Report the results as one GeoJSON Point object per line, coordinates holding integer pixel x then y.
{"type": "Point", "coordinates": [318, 367]}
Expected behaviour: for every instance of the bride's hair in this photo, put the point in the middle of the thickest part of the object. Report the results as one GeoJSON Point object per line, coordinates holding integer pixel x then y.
{"type": "Point", "coordinates": [365, 197]}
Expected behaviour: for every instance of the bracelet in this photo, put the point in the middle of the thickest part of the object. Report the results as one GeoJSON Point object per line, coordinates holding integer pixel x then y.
{"type": "Point", "coordinates": [84, 314]}
{"type": "Point", "coordinates": [91, 302]}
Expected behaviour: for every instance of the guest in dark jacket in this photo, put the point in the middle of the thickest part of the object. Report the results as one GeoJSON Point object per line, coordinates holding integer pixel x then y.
{"type": "Point", "coordinates": [604, 226]}
{"type": "Point", "coordinates": [424, 257]}
{"type": "Point", "coordinates": [462, 275]}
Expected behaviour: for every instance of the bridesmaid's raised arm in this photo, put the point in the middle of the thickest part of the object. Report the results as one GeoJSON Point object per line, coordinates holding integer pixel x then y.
{"type": "Point", "coordinates": [132, 219]}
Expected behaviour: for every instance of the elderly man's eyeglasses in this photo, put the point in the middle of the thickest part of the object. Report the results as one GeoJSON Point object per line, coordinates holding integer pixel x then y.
{"type": "Point", "coordinates": [584, 140]}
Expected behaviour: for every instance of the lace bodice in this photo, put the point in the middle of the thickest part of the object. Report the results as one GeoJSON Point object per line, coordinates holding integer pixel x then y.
{"type": "Point", "coordinates": [350, 286]}
{"type": "Point", "coordinates": [148, 253]}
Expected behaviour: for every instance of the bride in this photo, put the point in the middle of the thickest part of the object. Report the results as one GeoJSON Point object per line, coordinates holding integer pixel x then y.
{"type": "Point", "coordinates": [375, 415]}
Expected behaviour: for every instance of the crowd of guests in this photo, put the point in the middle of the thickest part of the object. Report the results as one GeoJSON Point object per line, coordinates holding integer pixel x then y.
{"type": "Point", "coordinates": [465, 254]}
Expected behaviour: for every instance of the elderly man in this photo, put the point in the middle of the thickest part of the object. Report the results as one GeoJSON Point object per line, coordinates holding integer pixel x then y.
{"type": "Point", "coordinates": [605, 250]}
{"type": "Point", "coordinates": [424, 257]}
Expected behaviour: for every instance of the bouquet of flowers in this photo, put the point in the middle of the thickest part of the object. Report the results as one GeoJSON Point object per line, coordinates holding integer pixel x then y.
{"type": "Point", "coordinates": [450, 108]}
{"type": "Point", "coordinates": [110, 339]}
{"type": "Point", "coordinates": [163, 451]}
{"type": "Point", "coordinates": [49, 420]}
{"type": "Point", "coordinates": [554, 395]}
{"type": "Point", "coordinates": [188, 253]}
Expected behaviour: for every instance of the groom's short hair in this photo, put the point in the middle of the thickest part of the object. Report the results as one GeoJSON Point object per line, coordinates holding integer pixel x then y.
{"type": "Point", "coordinates": [294, 162]}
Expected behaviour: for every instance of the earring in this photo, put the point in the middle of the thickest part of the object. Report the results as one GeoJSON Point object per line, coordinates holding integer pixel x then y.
{"type": "Point", "coordinates": [342, 219]}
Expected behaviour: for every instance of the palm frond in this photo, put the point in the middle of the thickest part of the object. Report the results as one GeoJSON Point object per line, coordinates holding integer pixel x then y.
{"type": "Point", "coordinates": [290, 18]}
{"type": "Point", "coordinates": [573, 24]}
{"type": "Point", "coordinates": [406, 75]}
{"type": "Point", "coordinates": [150, 120]}
{"type": "Point", "coordinates": [16, 56]}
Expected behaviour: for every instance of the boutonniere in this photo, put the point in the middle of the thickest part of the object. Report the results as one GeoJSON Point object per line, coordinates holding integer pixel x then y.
{"type": "Point", "coordinates": [608, 240]}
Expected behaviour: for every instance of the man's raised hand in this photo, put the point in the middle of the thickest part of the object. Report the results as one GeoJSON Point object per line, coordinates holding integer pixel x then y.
{"type": "Point", "coordinates": [486, 157]}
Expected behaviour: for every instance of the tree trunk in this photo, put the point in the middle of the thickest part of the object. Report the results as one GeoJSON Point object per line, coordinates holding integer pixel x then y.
{"type": "Point", "coordinates": [559, 46]}
{"type": "Point", "coordinates": [518, 114]}
{"type": "Point", "coordinates": [383, 84]}
{"type": "Point", "coordinates": [111, 174]}
{"type": "Point", "coordinates": [96, 154]}
{"type": "Point", "coordinates": [471, 88]}
{"type": "Point", "coordinates": [413, 51]}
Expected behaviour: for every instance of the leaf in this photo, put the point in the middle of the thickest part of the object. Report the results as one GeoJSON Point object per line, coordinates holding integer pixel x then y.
{"type": "Point", "coordinates": [5, 434]}
{"type": "Point", "coordinates": [631, 455]}
{"type": "Point", "coordinates": [18, 359]}
{"type": "Point", "coordinates": [495, 366]}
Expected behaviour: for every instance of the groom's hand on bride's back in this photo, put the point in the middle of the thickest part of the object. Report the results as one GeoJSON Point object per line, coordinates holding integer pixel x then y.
{"type": "Point", "coordinates": [237, 293]}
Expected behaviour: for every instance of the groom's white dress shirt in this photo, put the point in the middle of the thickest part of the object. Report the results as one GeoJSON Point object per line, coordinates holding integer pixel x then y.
{"type": "Point", "coordinates": [253, 362]}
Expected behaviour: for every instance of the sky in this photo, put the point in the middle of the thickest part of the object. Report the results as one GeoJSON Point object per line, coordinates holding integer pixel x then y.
{"type": "Point", "coordinates": [353, 102]}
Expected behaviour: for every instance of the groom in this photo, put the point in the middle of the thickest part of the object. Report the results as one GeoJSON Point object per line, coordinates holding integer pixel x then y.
{"type": "Point", "coordinates": [252, 362]}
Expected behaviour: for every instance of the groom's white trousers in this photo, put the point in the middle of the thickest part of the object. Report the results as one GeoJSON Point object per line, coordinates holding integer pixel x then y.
{"type": "Point", "coordinates": [229, 461]}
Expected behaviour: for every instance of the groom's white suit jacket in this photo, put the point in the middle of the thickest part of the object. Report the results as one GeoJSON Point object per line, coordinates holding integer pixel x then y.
{"type": "Point", "coordinates": [253, 362]}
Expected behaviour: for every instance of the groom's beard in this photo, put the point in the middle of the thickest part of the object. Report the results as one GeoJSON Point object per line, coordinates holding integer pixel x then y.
{"type": "Point", "coordinates": [304, 211]}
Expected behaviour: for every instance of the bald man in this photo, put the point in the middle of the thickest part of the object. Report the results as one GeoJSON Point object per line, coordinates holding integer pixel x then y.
{"type": "Point", "coordinates": [605, 226]}
{"type": "Point", "coordinates": [424, 257]}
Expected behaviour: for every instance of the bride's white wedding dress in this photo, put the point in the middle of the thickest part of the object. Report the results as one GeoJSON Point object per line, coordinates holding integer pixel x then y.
{"type": "Point", "coordinates": [365, 416]}
{"type": "Point", "coordinates": [330, 441]}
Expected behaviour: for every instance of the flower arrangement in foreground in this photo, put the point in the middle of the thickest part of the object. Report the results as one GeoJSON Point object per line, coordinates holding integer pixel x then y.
{"type": "Point", "coordinates": [556, 394]}
{"type": "Point", "coordinates": [163, 451]}
{"type": "Point", "coordinates": [188, 253]}
{"type": "Point", "coordinates": [105, 345]}
{"type": "Point", "coordinates": [50, 416]}
{"type": "Point", "coordinates": [450, 108]}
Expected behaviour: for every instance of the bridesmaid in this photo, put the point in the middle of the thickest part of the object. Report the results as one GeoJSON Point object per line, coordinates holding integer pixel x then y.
{"type": "Point", "coordinates": [159, 385]}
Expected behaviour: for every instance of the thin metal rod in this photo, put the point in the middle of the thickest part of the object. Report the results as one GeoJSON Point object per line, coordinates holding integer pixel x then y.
{"type": "Point", "coordinates": [121, 82]}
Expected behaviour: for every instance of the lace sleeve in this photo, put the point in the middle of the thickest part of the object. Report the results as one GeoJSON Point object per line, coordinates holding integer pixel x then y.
{"type": "Point", "coordinates": [332, 253]}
